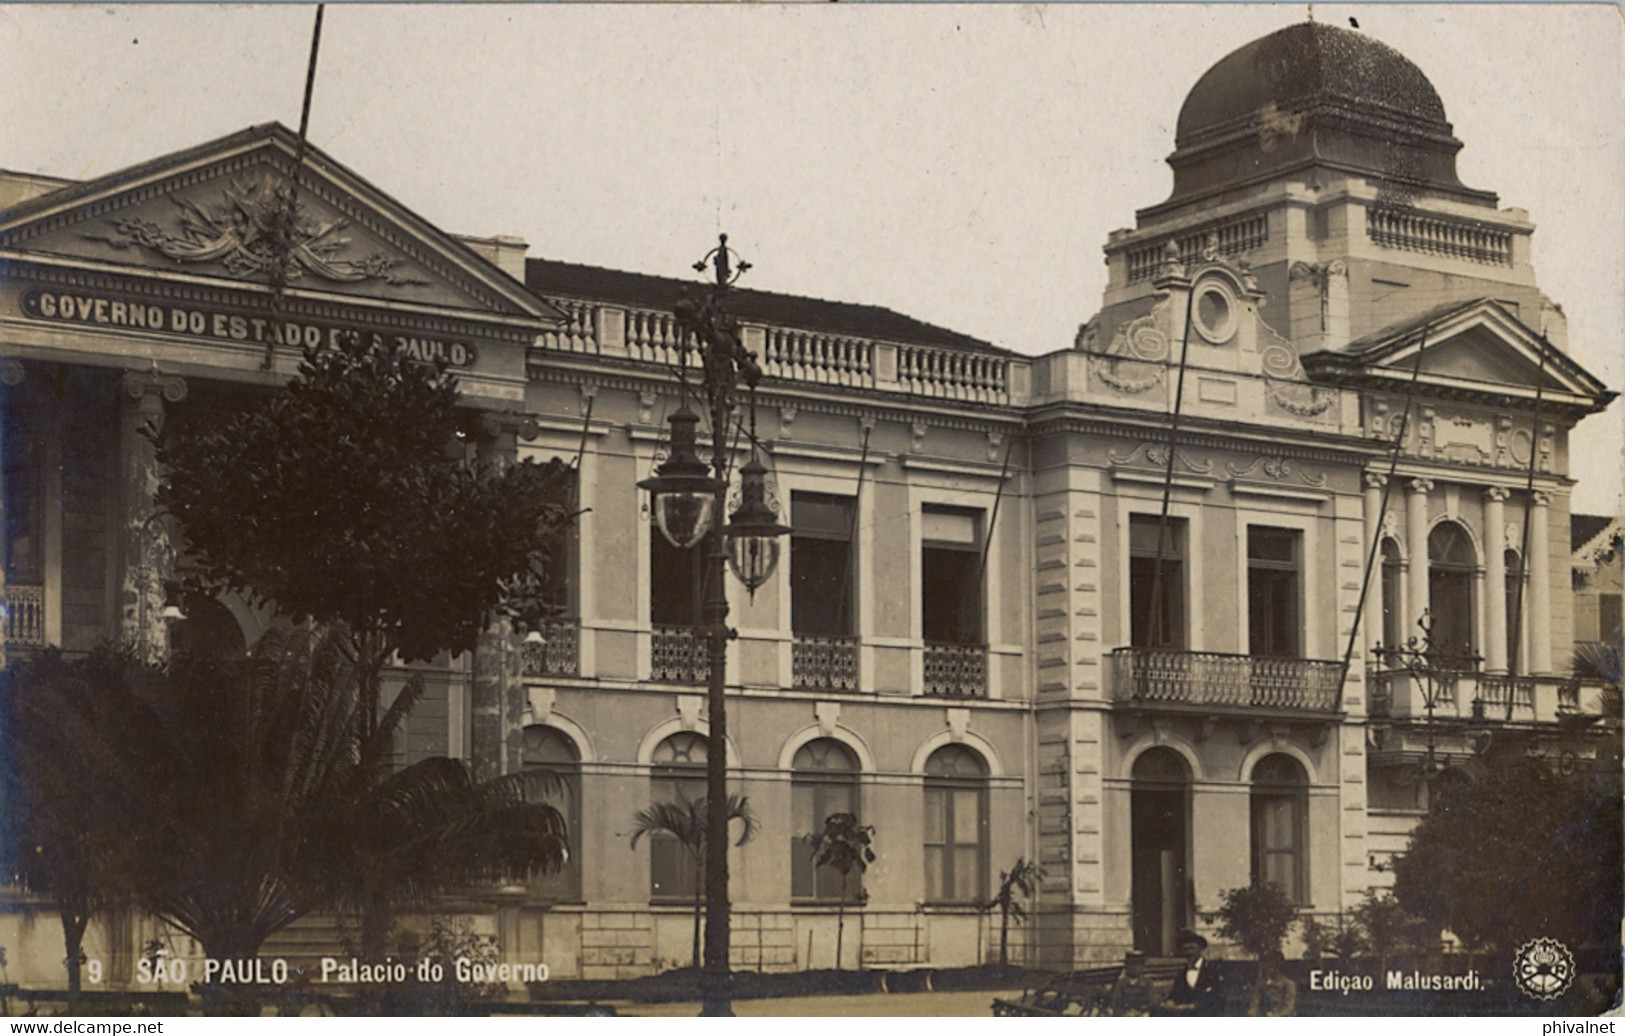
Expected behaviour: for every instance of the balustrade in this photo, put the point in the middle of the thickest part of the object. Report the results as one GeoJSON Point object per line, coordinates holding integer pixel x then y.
{"type": "Point", "coordinates": [821, 358]}
{"type": "Point", "coordinates": [24, 613]}
{"type": "Point", "coordinates": [1209, 678]}
{"type": "Point", "coordinates": [1505, 697]}
{"type": "Point", "coordinates": [825, 663]}
{"type": "Point", "coordinates": [1438, 235]}
{"type": "Point", "coordinates": [956, 670]}
{"type": "Point", "coordinates": [953, 374]}
{"type": "Point", "coordinates": [579, 333]}
{"type": "Point", "coordinates": [679, 654]}
{"type": "Point", "coordinates": [557, 652]}
{"type": "Point", "coordinates": [1232, 237]}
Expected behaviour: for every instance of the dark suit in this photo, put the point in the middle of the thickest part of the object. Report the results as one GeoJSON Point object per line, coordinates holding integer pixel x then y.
{"type": "Point", "coordinates": [1205, 998]}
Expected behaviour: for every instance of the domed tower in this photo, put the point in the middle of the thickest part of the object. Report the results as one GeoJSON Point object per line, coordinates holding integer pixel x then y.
{"type": "Point", "coordinates": [1322, 158]}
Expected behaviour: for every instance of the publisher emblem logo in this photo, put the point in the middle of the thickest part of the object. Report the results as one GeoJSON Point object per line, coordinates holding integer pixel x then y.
{"type": "Point", "coordinates": [1543, 968]}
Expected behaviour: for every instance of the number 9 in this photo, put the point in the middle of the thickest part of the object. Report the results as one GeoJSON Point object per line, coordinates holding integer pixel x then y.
{"type": "Point", "coordinates": [94, 969]}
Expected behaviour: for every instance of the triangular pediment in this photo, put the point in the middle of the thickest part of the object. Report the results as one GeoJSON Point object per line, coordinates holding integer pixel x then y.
{"type": "Point", "coordinates": [210, 214]}
{"type": "Point", "coordinates": [1475, 347]}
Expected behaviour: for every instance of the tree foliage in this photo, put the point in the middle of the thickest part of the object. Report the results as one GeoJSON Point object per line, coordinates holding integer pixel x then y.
{"type": "Point", "coordinates": [349, 497]}
{"type": "Point", "coordinates": [1256, 916]}
{"type": "Point", "coordinates": [1523, 852]}
{"type": "Point", "coordinates": [1388, 927]}
{"type": "Point", "coordinates": [844, 845]}
{"type": "Point", "coordinates": [65, 823]}
{"type": "Point", "coordinates": [686, 822]}
{"type": "Point", "coordinates": [1017, 883]}
{"type": "Point", "coordinates": [231, 799]}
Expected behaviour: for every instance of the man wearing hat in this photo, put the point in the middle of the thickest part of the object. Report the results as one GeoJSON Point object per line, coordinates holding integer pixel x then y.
{"type": "Point", "coordinates": [1198, 990]}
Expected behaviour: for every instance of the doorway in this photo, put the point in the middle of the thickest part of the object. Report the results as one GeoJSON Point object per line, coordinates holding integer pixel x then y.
{"type": "Point", "coordinates": [1160, 833]}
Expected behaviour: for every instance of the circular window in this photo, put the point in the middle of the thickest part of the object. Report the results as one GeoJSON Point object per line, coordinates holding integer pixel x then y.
{"type": "Point", "coordinates": [1215, 314]}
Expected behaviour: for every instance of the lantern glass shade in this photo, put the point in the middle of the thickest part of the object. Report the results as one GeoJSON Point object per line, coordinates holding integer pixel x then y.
{"type": "Point", "coordinates": [684, 517]}
{"type": "Point", "coordinates": [753, 559]}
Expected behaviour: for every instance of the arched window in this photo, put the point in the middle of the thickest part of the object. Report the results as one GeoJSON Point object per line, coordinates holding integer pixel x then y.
{"type": "Point", "coordinates": [546, 748]}
{"type": "Point", "coordinates": [955, 826]}
{"type": "Point", "coordinates": [824, 781]}
{"type": "Point", "coordinates": [1452, 564]}
{"type": "Point", "coordinates": [1393, 615]}
{"type": "Point", "coordinates": [677, 778]}
{"type": "Point", "coordinates": [1279, 808]}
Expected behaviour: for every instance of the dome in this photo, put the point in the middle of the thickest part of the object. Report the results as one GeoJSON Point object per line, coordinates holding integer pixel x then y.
{"type": "Point", "coordinates": [1311, 103]}
{"type": "Point", "coordinates": [1303, 66]}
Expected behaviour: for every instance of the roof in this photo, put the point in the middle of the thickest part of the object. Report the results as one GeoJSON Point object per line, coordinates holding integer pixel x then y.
{"type": "Point", "coordinates": [551, 277]}
{"type": "Point", "coordinates": [1303, 65]}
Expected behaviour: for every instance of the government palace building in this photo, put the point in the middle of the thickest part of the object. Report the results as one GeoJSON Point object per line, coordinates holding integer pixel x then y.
{"type": "Point", "coordinates": [1323, 353]}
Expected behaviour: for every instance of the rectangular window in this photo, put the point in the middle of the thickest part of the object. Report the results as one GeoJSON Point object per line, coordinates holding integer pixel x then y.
{"type": "Point", "coordinates": [674, 873]}
{"type": "Point", "coordinates": [1272, 592]}
{"type": "Point", "coordinates": [1156, 592]}
{"type": "Point", "coordinates": [676, 591]}
{"type": "Point", "coordinates": [954, 822]}
{"type": "Point", "coordinates": [1610, 619]}
{"type": "Point", "coordinates": [821, 565]}
{"type": "Point", "coordinates": [951, 575]}
{"type": "Point", "coordinates": [559, 566]}
{"type": "Point", "coordinates": [1276, 842]}
{"type": "Point", "coordinates": [811, 802]}
{"type": "Point", "coordinates": [20, 477]}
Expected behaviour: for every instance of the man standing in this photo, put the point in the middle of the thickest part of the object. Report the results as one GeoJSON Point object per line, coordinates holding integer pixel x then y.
{"type": "Point", "coordinates": [1198, 990]}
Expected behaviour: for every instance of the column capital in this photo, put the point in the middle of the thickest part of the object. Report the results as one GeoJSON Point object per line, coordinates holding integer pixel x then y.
{"type": "Point", "coordinates": [1375, 479]}
{"type": "Point", "coordinates": [1540, 498]}
{"type": "Point", "coordinates": [496, 423]}
{"type": "Point", "coordinates": [1497, 494]}
{"type": "Point", "coordinates": [144, 384]}
{"type": "Point", "coordinates": [1421, 485]}
{"type": "Point", "coordinates": [12, 373]}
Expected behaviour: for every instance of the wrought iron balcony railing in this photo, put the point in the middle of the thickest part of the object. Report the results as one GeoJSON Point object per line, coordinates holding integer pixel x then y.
{"type": "Point", "coordinates": [556, 653]}
{"type": "Point", "coordinates": [825, 663]}
{"type": "Point", "coordinates": [679, 654]}
{"type": "Point", "coordinates": [956, 670]}
{"type": "Point", "coordinates": [1146, 676]}
{"type": "Point", "coordinates": [24, 615]}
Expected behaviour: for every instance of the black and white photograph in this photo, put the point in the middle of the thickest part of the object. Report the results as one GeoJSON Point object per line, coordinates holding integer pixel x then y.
{"type": "Point", "coordinates": [811, 510]}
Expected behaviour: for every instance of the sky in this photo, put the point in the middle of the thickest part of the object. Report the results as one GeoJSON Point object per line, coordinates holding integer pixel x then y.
{"type": "Point", "coordinates": [961, 163]}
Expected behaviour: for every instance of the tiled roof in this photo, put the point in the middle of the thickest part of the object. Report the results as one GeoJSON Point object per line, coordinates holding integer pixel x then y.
{"type": "Point", "coordinates": [552, 278]}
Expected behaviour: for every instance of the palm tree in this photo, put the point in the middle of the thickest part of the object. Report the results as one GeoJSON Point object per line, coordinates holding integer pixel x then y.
{"type": "Point", "coordinates": [844, 845]}
{"type": "Point", "coordinates": [1021, 879]}
{"type": "Point", "coordinates": [231, 799]}
{"type": "Point", "coordinates": [685, 821]}
{"type": "Point", "coordinates": [65, 825]}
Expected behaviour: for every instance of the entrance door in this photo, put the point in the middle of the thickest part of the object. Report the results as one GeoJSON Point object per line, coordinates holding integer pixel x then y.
{"type": "Point", "coordinates": [1160, 825]}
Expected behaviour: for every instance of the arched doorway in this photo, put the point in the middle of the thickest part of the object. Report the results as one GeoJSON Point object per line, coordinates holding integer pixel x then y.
{"type": "Point", "coordinates": [1160, 832]}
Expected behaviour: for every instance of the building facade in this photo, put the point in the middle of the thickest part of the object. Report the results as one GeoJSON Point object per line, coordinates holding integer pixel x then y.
{"type": "Point", "coordinates": [1105, 608]}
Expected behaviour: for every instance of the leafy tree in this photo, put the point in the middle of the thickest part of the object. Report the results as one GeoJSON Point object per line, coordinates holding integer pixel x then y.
{"type": "Point", "coordinates": [1388, 926]}
{"type": "Point", "coordinates": [1257, 916]}
{"type": "Point", "coordinates": [1522, 852]}
{"type": "Point", "coordinates": [686, 822]}
{"type": "Point", "coordinates": [349, 498]}
{"type": "Point", "coordinates": [843, 845]}
{"type": "Point", "coordinates": [65, 824]}
{"type": "Point", "coordinates": [1022, 880]}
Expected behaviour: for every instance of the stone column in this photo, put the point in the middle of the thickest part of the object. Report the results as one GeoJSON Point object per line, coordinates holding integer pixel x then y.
{"type": "Point", "coordinates": [147, 558]}
{"type": "Point", "coordinates": [498, 689]}
{"type": "Point", "coordinates": [1495, 580]}
{"type": "Point", "coordinates": [1416, 536]}
{"type": "Point", "coordinates": [1539, 608]}
{"type": "Point", "coordinates": [1372, 619]}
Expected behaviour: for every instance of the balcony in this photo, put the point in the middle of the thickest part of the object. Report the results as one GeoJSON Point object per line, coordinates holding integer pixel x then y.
{"type": "Point", "coordinates": [1202, 680]}
{"type": "Point", "coordinates": [825, 663]}
{"type": "Point", "coordinates": [555, 650]}
{"type": "Point", "coordinates": [23, 609]}
{"type": "Point", "coordinates": [679, 654]}
{"type": "Point", "coordinates": [1466, 695]}
{"type": "Point", "coordinates": [955, 670]}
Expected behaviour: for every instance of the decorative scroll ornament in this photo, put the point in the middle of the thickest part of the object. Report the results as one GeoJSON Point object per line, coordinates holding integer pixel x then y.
{"type": "Point", "coordinates": [1284, 381]}
{"type": "Point", "coordinates": [240, 233]}
{"type": "Point", "coordinates": [1136, 360]}
{"type": "Point", "coordinates": [1278, 468]}
{"type": "Point", "coordinates": [1156, 455]}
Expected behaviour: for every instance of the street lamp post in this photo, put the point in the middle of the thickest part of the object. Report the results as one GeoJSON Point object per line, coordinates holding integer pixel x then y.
{"type": "Point", "coordinates": [687, 505]}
